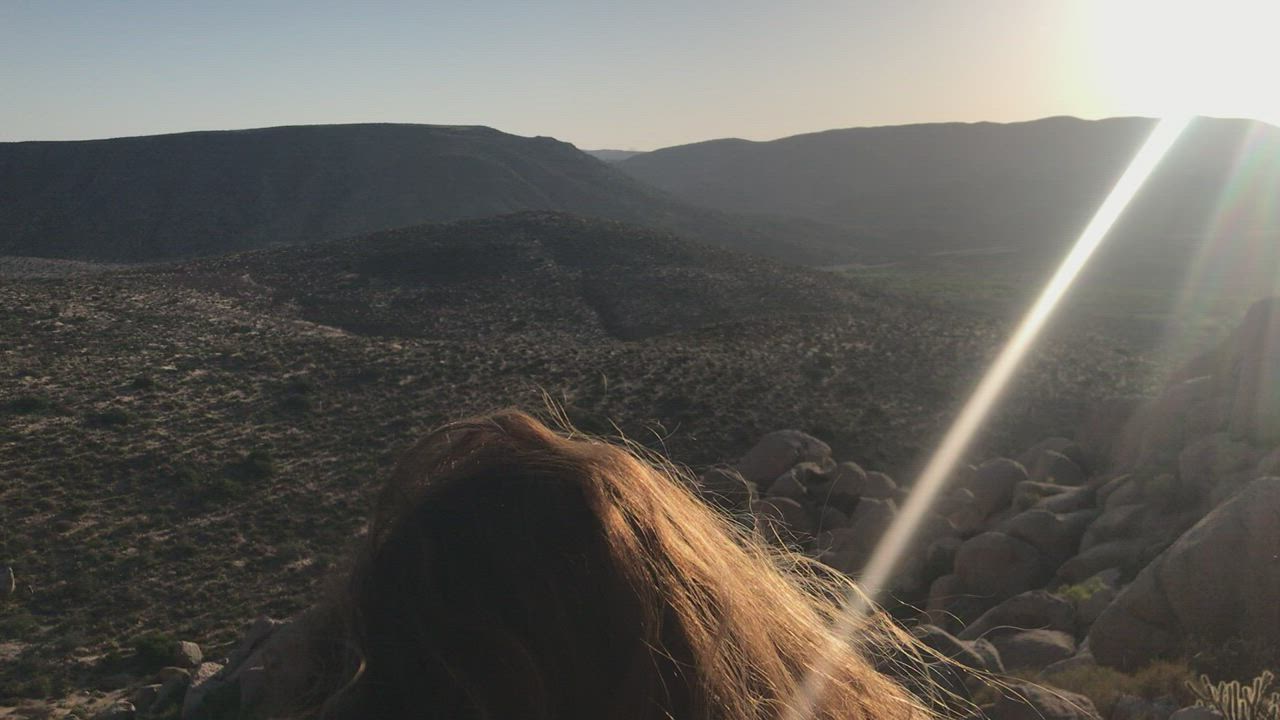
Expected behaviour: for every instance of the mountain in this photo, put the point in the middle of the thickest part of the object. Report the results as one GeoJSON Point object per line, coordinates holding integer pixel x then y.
{"type": "Point", "coordinates": [204, 193]}
{"type": "Point", "coordinates": [920, 189]}
{"type": "Point", "coordinates": [612, 156]}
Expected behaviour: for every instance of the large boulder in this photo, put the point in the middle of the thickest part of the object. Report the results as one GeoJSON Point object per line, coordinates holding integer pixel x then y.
{"type": "Point", "coordinates": [1218, 581]}
{"type": "Point", "coordinates": [1255, 408]}
{"type": "Point", "coordinates": [1027, 701]}
{"type": "Point", "coordinates": [1033, 649]}
{"type": "Point", "coordinates": [727, 489]}
{"type": "Point", "coordinates": [1034, 610]}
{"type": "Point", "coordinates": [778, 452]}
{"type": "Point", "coordinates": [1064, 447]}
{"type": "Point", "coordinates": [1057, 537]}
{"type": "Point", "coordinates": [851, 547]}
{"type": "Point", "coordinates": [782, 519]}
{"type": "Point", "coordinates": [1117, 554]}
{"type": "Point", "coordinates": [997, 565]}
{"type": "Point", "coordinates": [1214, 460]}
{"type": "Point", "coordinates": [993, 483]}
{"type": "Point", "coordinates": [1054, 467]}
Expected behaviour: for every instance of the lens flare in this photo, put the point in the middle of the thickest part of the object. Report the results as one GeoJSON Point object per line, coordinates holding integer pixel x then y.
{"type": "Point", "coordinates": [893, 545]}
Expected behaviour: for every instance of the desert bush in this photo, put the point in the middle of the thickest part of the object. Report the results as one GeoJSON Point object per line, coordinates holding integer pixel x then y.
{"type": "Point", "coordinates": [143, 382]}
{"type": "Point", "coordinates": [1238, 701]}
{"type": "Point", "coordinates": [29, 404]}
{"type": "Point", "coordinates": [1104, 685]}
{"type": "Point", "coordinates": [256, 464]}
{"type": "Point", "coordinates": [112, 417]}
{"type": "Point", "coordinates": [1082, 591]}
{"type": "Point", "coordinates": [1238, 658]}
{"type": "Point", "coordinates": [154, 650]}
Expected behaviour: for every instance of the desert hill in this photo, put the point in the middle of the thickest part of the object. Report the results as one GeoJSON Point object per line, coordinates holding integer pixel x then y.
{"type": "Point", "coordinates": [188, 445]}
{"type": "Point", "coordinates": [206, 193]}
{"type": "Point", "coordinates": [952, 186]}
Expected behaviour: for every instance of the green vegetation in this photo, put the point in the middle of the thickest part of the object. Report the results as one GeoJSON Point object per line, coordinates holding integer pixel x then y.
{"type": "Point", "coordinates": [1080, 592]}
{"type": "Point", "coordinates": [1104, 685]}
{"type": "Point", "coordinates": [1238, 701]}
{"type": "Point", "coordinates": [154, 650]}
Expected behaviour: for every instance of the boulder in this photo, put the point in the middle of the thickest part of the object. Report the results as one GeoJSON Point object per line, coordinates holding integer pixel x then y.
{"type": "Point", "coordinates": [950, 606]}
{"type": "Point", "coordinates": [119, 710]}
{"type": "Point", "coordinates": [1118, 554]}
{"type": "Point", "coordinates": [1033, 610]}
{"type": "Point", "coordinates": [843, 488]}
{"type": "Point", "coordinates": [830, 518]}
{"type": "Point", "coordinates": [879, 486]}
{"type": "Point", "coordinates": [949, 646]}
{"type": "Point", "coordinates": [788, 486]}
{"type": "Point", "coordinates": [1196, 712]}
{"type": "Point", "coordinates": [1220, 580]}
{"type": "Point", "coordinates": [940, 557]}
{"type": "Point", "coordinates": [1184, 411]}
{"type": "Point", "coordinates": [1056, 469]}
{"type": "Point", "coordinates": [783, 519]}
{"type": "Point", "coordinates": [727, 489]}
{"type": "Point", "coordinates": [1072, 664]}
{"type": "Point", "coordinates": [1105, 428]}
{"type": "Point", "coordinates": [996, 565]}
{"type": "Point", "coordinates": [1118, 521]}
{"type": "Point", "coordinates": [1031, 493]}
{"type": "Point", "coordinates": [187, 655]}
{"type": "Point", "coordinates": [993, 483]}
{"type": "Point", "coordinates": [778, 452]}
{"type": "Point", "coordinates": [1073, 500]}
{"type": "Point", "coordinates": [1027, 701]}
{"type": "Point", "coordinates": [1033, 649]}
{"type": "Point", "coordinates": [1057, 537]}
{"type": "Point", "coordinates": [1213, 460]}
{"type": "Point", "coordinates": [1255, 407]}
{"type": "Point", "coordinates": [203, 681]}
{"type": "Point", "coordinates": [1064, 447]}
{"type": "Point", "coordinates": [852, 547]}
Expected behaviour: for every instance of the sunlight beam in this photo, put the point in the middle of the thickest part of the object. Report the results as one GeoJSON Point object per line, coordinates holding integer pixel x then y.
{"type": "Point", "coordinates": [955, 443]}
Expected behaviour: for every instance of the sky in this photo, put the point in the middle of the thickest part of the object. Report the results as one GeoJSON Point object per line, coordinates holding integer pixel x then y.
{"type": "Point", "coordinates": [624, 75]}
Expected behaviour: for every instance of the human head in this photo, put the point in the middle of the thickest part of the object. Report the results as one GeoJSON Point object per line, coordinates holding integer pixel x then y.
{"type": "Point", "coordinates": [514, 571]}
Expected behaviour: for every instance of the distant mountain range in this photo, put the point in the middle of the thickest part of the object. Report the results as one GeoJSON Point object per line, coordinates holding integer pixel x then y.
{"type": "Point", "coordinates": [949, 187]}
{"type": "Point", "coordinates": [979, 194]}
{"type": "Point", "coordinates": [205, 193]}
{"type": "Point", "coordinates": [614, 155]}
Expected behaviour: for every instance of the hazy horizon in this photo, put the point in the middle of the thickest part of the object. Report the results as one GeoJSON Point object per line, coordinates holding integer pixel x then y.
{"type": "Point", "coordinates": [621, 77]}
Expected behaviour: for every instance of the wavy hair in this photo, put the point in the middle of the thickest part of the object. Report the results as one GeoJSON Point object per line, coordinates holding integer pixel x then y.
{"type": "Point", "coordinates": [512, 571]}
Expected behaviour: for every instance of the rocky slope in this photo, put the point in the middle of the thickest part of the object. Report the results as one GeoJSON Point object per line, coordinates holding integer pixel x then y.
{"type": "Point", "coordinates": [185, 446]}
{"type": "Point", "coordinates": [1087, 578]}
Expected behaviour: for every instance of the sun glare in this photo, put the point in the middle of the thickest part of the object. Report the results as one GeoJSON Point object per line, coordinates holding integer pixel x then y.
{"type": "Point", "coordinates": [1183, 57]}
{"type": "Point", "coordinates": [889, 551]}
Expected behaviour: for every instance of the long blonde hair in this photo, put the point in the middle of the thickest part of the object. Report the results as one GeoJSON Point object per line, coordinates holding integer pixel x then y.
{"type": "Point", "coordinates": [514, 571]}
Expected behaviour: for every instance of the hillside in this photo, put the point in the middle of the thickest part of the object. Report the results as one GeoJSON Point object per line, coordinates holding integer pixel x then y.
{"type": "Point", "coordinates": [206, 193]}
{"type": "Point", "coordinates": [186, 446]}
{"type": "Point", "coordinates": [978, 214]}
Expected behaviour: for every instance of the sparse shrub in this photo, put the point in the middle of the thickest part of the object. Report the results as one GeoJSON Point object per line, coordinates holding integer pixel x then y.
{"type": "Point", "coordinates": [29, 405]}
{"type": "Point", "coordinates": [255, 465]}
{"type": "Point", "coordinates": [1238, 701]}
{"type": "Point", "coordinates": [1234, 659]}
{"type": "Point", "coordinates": [154, 650]}
{"type": "Point", "coordinates": [1080, 592]}
{"type": "Point", "coordinates": [112, 417]}
{"type": "Point", "coordinates": [143, 382]}
{"type": "Point", "coordinates": [1104, 685]}
{"type": "Point", "coordinates": [296, 403]}
{"type": "Point", "coordinates": [17, 625]}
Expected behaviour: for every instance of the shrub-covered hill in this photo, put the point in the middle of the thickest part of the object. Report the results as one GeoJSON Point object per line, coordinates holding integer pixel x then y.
{"type": "Point", "coordinates": [186, 446]}
{"type": "Point", "coordinates": [162, 197]}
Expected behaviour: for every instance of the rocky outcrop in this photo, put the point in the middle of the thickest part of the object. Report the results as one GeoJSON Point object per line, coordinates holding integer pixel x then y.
{"type": "Point", "coordinates": [1219, 580]}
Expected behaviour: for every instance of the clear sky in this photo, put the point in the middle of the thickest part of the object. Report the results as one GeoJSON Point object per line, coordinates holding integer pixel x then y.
{"type": "Point", "coordinates": [631, 75]}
